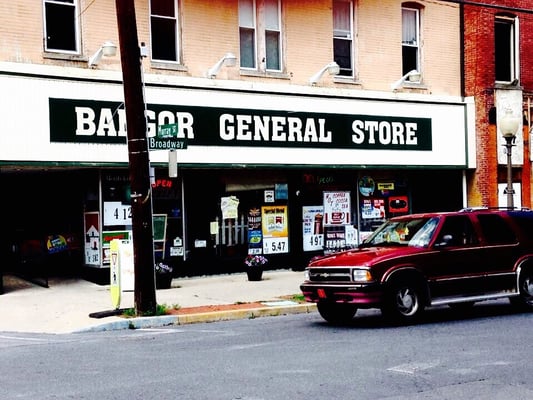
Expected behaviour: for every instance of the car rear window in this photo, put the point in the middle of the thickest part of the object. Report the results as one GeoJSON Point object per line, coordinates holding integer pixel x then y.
{"type": "Point", "coordinates": [524, 220]}
{"type": "Point", "coordinates": [496, 230]}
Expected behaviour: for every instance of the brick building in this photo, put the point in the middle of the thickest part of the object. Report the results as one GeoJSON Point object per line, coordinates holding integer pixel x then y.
{"type": "Point", "coordinates": [497, 58]}
{"type": "Point", "coordinates": [324, 126]}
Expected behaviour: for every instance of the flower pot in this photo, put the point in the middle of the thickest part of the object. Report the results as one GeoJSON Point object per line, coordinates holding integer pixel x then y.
{"type": "Point", "coordinates": [254, 274]}
{"type": "Point", "coordinates": [163, 281]}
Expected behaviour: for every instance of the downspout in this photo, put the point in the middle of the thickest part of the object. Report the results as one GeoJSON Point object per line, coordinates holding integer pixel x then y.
{"type": "Point", "coordinates": [463, 94]}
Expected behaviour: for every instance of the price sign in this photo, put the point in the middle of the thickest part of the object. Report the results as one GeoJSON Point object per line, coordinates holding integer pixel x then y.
{"type": "Point", "coordinates": [314, 242]}
{"type": "Point", "coordinates": [116, 213]}
{"type": "Point", "coordinates": [275, 245]}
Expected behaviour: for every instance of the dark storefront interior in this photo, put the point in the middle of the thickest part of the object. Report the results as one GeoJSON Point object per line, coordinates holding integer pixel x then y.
{"type": "Point", "coordinates": [53, 202]}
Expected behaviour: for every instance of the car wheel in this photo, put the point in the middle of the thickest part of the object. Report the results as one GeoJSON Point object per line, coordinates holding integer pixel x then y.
{"type": "Point", "coordinates": [525, 285]}
{"type": "Point", "coordinates": [336, 313]}
{"type": "Point", "coordinates": [403, 303]}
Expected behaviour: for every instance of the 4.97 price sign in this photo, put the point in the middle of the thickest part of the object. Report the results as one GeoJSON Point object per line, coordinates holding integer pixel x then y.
{"type": "Point", "coordinates": [275, 229]}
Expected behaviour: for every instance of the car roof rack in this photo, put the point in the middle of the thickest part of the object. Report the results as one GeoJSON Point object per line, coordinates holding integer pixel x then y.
{"type": "Point", "coordinates": [471, 209]}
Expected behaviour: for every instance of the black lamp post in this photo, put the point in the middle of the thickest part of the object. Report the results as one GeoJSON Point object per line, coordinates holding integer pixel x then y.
{"type": "Point", "coordinates": [508, 126]}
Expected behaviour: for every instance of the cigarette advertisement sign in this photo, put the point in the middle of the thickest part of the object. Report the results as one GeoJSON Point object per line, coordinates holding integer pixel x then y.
{"type": "Point", "coordinates": [275, 229]}
{"type": "Point", "coordinates": [255, 236]}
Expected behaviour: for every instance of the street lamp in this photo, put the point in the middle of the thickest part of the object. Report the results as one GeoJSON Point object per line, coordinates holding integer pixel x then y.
{"type": "Point", "coordinates": [228, 60]}
{"type": "Point", "coordinates": [508, 126]}
{"type": "Point", "coordinates": [333, 69]}
{"type": "Point", "coordinates": [108, 49]}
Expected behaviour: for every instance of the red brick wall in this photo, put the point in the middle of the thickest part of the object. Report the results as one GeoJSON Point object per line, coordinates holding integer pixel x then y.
{"type": "Point", "coordinates": [479, 82]}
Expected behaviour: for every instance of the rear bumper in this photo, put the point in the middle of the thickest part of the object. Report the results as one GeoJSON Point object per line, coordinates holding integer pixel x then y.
{"type": "Point", "coordinates": [364, 296]}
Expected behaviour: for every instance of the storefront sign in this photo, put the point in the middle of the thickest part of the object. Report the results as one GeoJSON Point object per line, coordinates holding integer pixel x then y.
{"type": "Point", "coordinates": [86, 121]}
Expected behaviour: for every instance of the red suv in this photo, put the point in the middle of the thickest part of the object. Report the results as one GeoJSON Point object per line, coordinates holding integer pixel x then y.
{"type": "Point", "coordinates": [421, 260]}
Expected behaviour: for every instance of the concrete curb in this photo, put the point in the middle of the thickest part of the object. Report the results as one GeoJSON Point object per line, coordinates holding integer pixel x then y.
{"type": "Point", "coordinates": [185, 319]}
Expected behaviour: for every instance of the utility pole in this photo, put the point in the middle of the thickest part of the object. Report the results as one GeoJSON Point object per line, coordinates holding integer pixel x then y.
{"type": "Point", "coordinates": [139, 161]}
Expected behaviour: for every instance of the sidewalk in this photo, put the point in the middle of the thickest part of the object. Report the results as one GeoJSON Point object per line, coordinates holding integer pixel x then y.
{"type": "Point", "coordinates": [66, 305]}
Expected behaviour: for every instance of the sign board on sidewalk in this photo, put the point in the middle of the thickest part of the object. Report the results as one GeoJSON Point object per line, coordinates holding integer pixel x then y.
{"type": "Point", "coordinates": [121, 268]}
{"type": "Point", "coordinates": [114, 287]}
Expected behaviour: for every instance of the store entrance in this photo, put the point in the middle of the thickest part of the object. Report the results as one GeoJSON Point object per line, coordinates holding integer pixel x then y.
{"type": "Point", "coordinates": [45, 231]}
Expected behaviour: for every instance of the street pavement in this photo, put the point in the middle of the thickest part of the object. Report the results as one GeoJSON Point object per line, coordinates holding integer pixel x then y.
{"type": "Point", "coordinates": [76, 305]}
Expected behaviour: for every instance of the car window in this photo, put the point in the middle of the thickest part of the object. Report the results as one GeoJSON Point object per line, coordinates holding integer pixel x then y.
{"type": "Point", "coordinates": [524, 220]}
{"type": "Point", "coordinates": [457, 230]}
{"type": "Point", "coordinates": [423, 236]}
{"type": "Point", "coordinates": [407, 231]}
{"type": "Point", "coordinates": [495, 229]}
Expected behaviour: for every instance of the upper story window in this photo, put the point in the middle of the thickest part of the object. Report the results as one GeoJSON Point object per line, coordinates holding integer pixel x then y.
{"type": "Point", "coordinates": [410, 40]}
{"type": "Point", "coordinates": [343, 36]}
{"type": "Point", "coordinates": [506, 48]}
{"type": "Point", "coordinates": [61, 31]}
{"type": "Point", "coordinates": [260, 34]}
{"type": "Point", "coordinates": [164, 30]}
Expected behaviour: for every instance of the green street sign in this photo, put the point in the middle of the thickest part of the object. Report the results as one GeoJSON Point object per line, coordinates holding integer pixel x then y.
{"type": "Point", "coordinates": [166, 139]}
{"type": "Point", "coordinates": [167, 131]}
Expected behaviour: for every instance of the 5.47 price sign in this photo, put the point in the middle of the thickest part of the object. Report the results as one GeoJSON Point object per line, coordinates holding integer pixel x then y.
{"type": "Point", "coordinates": [275, 245]}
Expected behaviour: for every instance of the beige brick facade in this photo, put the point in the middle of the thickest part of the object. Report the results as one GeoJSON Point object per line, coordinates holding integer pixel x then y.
{"type": "Point", "coordinates": [210, 29]}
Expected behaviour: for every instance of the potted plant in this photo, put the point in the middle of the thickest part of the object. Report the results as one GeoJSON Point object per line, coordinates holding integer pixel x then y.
{"type": "Point", "coordinates": [163, 275]}
{"type": "Point", "coordinates": [255, 264]}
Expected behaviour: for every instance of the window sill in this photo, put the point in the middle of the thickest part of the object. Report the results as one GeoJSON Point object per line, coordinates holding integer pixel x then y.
{"type": "Point", "coordinates": [65, 57]}
{"type": "Point", "coordinates": [265, 74]}
{"type": "Point", "coordinates": [346, 80]}
{"type": "Point", "coordinates": [413, 86]}
{"type": "Point", "coordinates": [168, 66]}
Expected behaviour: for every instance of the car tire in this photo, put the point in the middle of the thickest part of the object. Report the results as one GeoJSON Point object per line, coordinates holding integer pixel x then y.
{"type": "Point", "coordinates": [524, 301]}
{"type": "Point", "coordinates": [336, 313]}
{"type": "Point", "coordinates": [404, 302]}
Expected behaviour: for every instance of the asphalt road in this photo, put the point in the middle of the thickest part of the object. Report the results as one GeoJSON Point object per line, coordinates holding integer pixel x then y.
{"type": "Point", "coordinates": [485, 355]}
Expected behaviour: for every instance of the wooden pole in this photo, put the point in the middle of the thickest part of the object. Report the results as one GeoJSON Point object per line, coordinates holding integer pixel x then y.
{"type": "Point", "coordinates": [139, 161]}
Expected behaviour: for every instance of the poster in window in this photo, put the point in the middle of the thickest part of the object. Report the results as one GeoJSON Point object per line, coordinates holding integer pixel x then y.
{"type": "Point", "coordinates": [229, 207]}
{"type": "Point", "coordinates": [337, 208]}
{"type": "Point", "coordinates": [92, 238]}
{"type": "Point", "coordinates": [313, 231]}
{"type": "Point", "coordinates": [255, 236]}
{"type": "Point", "coordinates": [373, 208]}
{"type": "Point", "coordinates": [274, 221]}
